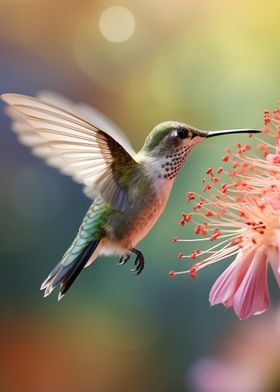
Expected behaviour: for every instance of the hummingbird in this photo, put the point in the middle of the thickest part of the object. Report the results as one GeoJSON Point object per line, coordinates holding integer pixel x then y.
{"type": "Point", "coordinates": [129, 190]}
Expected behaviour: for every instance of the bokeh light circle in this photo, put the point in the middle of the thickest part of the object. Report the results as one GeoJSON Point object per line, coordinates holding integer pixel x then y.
{"type": "Point", "coordinates": [117, 24]}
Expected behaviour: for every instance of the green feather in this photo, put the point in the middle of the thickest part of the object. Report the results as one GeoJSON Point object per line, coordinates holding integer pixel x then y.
{"type": "Point", "coordinates": [92, 228]}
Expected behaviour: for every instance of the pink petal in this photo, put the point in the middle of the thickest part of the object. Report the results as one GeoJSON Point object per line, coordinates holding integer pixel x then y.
{"type": "Point", "coordinates": [274, 259]}
{"type": "Point", "coordinates": [228, 282]}
{"type": "Point", "coordinates": [252, 296]}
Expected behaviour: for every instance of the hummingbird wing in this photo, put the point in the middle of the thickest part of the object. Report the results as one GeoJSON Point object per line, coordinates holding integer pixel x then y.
{"type": "Point", "coordinates": [90, 114]}
{"type": "Point", "coordinates": [73, 144]}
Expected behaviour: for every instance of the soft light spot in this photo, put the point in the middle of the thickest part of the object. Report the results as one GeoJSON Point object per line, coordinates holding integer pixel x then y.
{"type": "Point", "coordinates": [117, 24]}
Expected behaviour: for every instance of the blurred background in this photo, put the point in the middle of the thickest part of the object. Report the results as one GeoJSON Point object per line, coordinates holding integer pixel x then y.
{"type": "Point", "coordinates": [212, 64]}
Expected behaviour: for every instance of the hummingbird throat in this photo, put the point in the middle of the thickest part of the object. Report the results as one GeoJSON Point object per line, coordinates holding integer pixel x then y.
{"type": "Point", "coordinates": [173, 162]}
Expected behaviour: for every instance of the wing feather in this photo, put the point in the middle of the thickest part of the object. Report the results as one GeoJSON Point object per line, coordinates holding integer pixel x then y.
{"type": "Point", "coordinates": [73, 144]}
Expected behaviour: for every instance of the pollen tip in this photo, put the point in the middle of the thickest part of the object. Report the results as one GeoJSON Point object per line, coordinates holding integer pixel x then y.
{"type": "Point", "coordinates": [193, 271]}
{"type": "Point", "coordinates": [195, 253]}
{"type": "Point", "coordinates": [207, 188]}
{"type": "Point", "coordinates": [171, 274]}
{"type": "Point", "coordinates": [190, 196]}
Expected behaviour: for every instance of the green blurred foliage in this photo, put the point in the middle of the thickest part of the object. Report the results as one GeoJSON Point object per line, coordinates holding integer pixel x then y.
{"type": "Point", "coordinates": [212, 64]}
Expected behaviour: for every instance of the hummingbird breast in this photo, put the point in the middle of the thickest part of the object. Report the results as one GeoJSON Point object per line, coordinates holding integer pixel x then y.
{"type": "Point", "coordinates": [128, 227]}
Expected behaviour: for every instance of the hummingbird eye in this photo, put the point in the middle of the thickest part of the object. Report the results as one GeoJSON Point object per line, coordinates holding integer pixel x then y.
{"type": "Point", "coordinates": [182, 133]}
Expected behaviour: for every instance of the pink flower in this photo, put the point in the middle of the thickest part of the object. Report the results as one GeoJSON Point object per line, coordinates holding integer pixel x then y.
{"type": "Point", "coordinates": [242, 218]}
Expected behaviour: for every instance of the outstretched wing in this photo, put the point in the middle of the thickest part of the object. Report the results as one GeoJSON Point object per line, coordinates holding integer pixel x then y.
{"type": "Point", "coordinates": [74, 145]}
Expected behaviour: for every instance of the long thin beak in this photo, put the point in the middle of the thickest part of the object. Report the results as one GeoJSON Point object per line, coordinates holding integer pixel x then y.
{"type": "Point", "coordinates": [229, 131]}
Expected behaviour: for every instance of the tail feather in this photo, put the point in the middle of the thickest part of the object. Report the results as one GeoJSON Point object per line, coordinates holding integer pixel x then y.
{"type": "Point", "coordinates": [65, 274]}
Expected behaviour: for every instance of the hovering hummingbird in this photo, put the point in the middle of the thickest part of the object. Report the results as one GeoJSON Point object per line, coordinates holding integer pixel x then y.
{"type": "Point", "coordinates": [129, 190]}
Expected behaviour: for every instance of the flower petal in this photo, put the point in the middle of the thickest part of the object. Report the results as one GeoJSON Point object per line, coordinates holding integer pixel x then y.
{"type": "Point", "coordinates": [228, 282]}
{"type": "Point", "coordinates": [274, 259]}
{"type": "Point", "coordinates": [252, 296]}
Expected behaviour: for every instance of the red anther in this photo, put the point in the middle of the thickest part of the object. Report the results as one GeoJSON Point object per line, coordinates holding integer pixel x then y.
{"type": "Point", "coordinates": [238, 145]}
{"type": "Point", "coordinates": [209, 170]}
{"type": "Point", "coordinates": [224, 188]}
{"type": "Point", "coordinates": [182, 222]}
{"type": "Point", "coordinates": [207, 188]}
{"type": "Point", "coordinates": [219, 170]}
{"type": "Point", "coordinates": [216, 235]}
{"type": "Point", "coordinates": [228, 150]}
{"type": "Point", "coordinates": [266, 117]}
{"type": "Point", "coordinates": [198, 229]}
{"type": "Point", "coordinates": [225, 158]}
{"type": "Point", "coordinates": [171, 274]}
{"type": "Point", "coordinates": [185, 218]}
{"type": "Point", "coordinates": [180, 256]}
{"type": "Point", "coordinates": [202, 200]}
{"type": "Point", "coordinates": [215, 179]}
{"type": "Point", "coordinates": [203, 180]}
{"type": "Point", "coordinates": [254, 241]}
{"type": "Point", "coordinates": [175, 239]}
{"type": "Point", "coordinates": [195, 253]}
{"type": "Point", "coordinates": [247, 147]}
{"type": "Point", "coordinates": [209, 213]}
{"type": "Point", "coordinates": [193, 271]}
{"type": "Point", "coordinates": [204, 232]}
{"type": "Point", "coordinates": [190, 196]}
{"type": "Point", "coordinates": [197, 206]}
{"type": "Point", "coordinates": [250, 135]}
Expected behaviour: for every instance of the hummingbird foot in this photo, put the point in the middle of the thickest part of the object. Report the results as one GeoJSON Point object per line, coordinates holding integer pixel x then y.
{"type": "Point", "coordinates": [125, 258]}
{"type": "Point", "coordinates": [139, 261]}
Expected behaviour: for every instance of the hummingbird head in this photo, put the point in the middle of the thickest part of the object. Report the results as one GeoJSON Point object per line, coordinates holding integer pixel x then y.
{"type": "Point", "coordinates": [170, 137]}
{"type": "Point", "coordinates": [169, 143]}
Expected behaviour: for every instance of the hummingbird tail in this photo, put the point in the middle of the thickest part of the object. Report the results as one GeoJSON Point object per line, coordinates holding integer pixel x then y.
{"type": "Point", "coordinates": [65, 274]}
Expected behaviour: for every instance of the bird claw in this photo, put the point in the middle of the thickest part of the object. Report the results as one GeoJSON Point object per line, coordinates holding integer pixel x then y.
{"type": "Point", "coordinates": [125, 258]}
{"type": "Point", "coordinates": [138, 263]}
